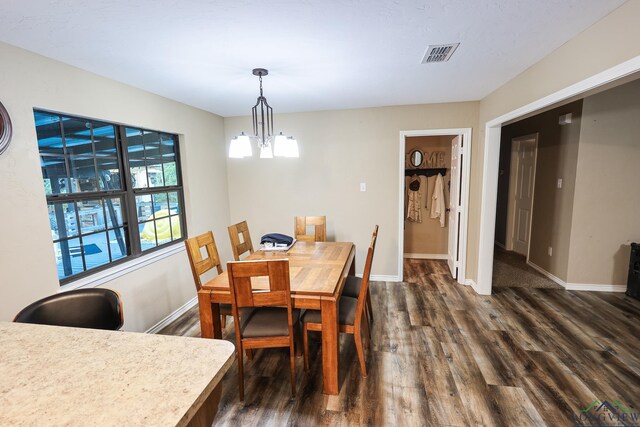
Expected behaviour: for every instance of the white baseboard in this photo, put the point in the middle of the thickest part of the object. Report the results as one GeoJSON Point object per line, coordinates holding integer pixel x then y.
{"type": "Point", "coordinates": [544, 272]}
{"type": "Point", "coordinates": [426, 256]}
{"type": "Point", "coordinates": [173, 316]}
{"type": "Point", "coordinates": [579, 286]}
{"type": "Point", "coordinates": [595, 287]}
{"type": "Point", "coordinates": [474, 286]}
{"type": "Point", "coordinates": [381, 278]}
{"type": "Point", "coordinates": [384, 278]}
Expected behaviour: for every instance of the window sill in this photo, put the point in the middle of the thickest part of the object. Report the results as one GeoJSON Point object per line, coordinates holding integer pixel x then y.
{"type": "Point", "coordinates": [110, 274]}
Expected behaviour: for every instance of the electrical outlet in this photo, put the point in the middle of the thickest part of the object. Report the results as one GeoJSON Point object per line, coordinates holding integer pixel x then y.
{"type": "Point", "coordinates": [363, 186]}
{"type": "Point", "coordinates": [550, 251]}
{"type": "Point", "coordinates": [559, 182]}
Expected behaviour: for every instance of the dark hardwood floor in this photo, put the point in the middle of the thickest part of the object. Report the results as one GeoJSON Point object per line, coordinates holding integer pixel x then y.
{"type": "Point", "coordinates": [443, 355]}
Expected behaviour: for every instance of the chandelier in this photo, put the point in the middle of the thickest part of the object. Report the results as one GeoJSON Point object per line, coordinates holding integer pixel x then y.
{"type": "Point", "coordinates": [262, 115]}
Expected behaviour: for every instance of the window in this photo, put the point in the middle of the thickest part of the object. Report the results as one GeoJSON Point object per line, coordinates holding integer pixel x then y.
{"type": "Point", "coordinates": [113, 192]}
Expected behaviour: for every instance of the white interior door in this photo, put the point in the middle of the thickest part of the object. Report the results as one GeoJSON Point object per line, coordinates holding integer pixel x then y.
{"type": "Point", "coordinates": [525, 170]}
{"type": "Point", "coordinates": [453, 253]}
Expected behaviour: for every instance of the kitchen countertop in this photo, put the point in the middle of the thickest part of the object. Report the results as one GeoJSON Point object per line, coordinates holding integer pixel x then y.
{"type": "Point", "coordinates": [67, 376]}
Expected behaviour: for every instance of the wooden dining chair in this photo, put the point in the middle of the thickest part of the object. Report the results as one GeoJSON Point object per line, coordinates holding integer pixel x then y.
{"type": "Point", "coordinates": [352, 287]}
{"type": "Point", "coordinates": [200, 265]}
{"type": "Point", "coordinates": [351, 312]}
{"type": "Point", "coordinates": [240, 247]}
{"type": "Point", "coordinates": [273, 320]}
{"type": "Point", "coordinates": [318, 222]}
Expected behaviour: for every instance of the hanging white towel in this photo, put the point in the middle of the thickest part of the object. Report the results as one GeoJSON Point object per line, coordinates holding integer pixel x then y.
{"type": "Point", "coordinates": [438, 206]}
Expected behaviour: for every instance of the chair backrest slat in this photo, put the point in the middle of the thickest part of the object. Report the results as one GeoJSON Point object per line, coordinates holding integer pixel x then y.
{"type": "Point", "coordinates": [237, 246]}
{"type": "Point", "coordinates": [200, 265]}
{"type": "Point", "coordinates": [318, 222]}
{"type": "Point", "coordinates": [278, 292]}
{"type": "Point", "coordinates": [364, 285]}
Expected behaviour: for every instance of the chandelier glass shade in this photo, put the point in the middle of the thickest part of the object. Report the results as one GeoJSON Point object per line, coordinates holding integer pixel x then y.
{"type": "Point", "coordinates": [285, 146]}
{"type": "Point", "coordinates": [269, 144]}
{"type": "Point", "coordinates": [240, 147]}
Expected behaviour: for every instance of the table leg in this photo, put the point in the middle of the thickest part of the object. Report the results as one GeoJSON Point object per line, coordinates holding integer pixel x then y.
{"type": "Point", "coordinates": [330, 345]}
{"type": "Point", "coordinates": [352, 268]}
{"type": "Point", "coordinates": [209, 316]}
{"type": "Point", "coordinates": [207, 412]}
{"type": "Point", "coordinates": [217, 323]}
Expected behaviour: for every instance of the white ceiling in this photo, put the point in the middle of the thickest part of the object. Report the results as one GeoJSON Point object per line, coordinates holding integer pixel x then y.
{"type": "Point", "coordinates": [321, 54]}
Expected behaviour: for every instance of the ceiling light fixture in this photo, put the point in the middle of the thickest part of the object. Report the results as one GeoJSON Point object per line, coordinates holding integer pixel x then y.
{"type": "Point", "coordinates": [268, 143]}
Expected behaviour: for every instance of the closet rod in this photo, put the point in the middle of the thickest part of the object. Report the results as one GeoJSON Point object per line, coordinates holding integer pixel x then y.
{"type": "Point", "coordinates": [426, 172]}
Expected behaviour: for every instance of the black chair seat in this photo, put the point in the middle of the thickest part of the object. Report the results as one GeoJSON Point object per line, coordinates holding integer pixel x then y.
{"type": "Point", "coordinates": [346, 311]}
{"type": "Point", "coordinates": [268, 322]}
{"type": "Point", "coordinates": [226, 309]}
{"type": "Point", "coordinates": [352, 287]}
{"type": "Point", "coordinates": [96, 308]}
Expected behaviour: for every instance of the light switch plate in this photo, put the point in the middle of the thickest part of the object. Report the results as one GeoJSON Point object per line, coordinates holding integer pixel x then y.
{"type": "Point", "coordinates": [363, 186]}
{"type": "Point", "coordinates": [559, 182]}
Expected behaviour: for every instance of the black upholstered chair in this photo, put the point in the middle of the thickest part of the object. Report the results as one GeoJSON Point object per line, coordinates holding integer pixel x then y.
{"type": "Point", "coordinates": [96, 308]}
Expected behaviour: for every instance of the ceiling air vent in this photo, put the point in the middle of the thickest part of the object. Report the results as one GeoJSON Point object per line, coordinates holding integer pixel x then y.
{"type": "Point", "coordinates": [439, 53]}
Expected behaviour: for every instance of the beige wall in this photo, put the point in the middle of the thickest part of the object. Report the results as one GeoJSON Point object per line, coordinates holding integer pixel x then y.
{"type": "Point", "coordinates": [338, 151]}
{"type": "Point", "coordinates": [607, 198]}
{"type": "Point", "coordinates": [607, 43]}
{"type": "Point", "coordinates": [427, 237]}
{"type": "Point", "coordinates": [557, 157]}
{"type": "Point", "coordinates": [27, 264]}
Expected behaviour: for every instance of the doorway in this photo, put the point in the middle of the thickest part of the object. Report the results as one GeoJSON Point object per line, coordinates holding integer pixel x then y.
{"type": "Point", "coordinates": [490, 168]}
{"type": "Point", "coordinates": [426, 226]}
{"type": "Point", "coordinates": [521, 190]}
{"type": "Point", "coordinates": [420, 164]}
{"type": "Point", "coordinates": [516, 217]}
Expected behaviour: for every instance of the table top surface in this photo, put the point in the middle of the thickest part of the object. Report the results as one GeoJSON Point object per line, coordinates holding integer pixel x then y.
{"type": "Point", "coordinates": [68, 376]}
{"type": "Point", "coordinates": [315, 268]}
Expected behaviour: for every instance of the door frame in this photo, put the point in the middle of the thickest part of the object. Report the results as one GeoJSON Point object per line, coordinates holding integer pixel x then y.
{"type": "Point", "coordinates": [511, 205]}
{"type": "Point", "coordinates": [464, 191]}
{"type": "Point", "coordinates": [491, 160]}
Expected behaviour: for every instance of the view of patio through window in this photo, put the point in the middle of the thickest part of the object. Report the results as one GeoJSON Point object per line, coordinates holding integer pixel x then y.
{"type": "Point", "coordinates": [113, 192]}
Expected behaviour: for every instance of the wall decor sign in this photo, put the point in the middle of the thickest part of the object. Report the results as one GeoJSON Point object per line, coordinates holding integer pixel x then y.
{"type": "Point", "coordinates": [5, 129]}
{"type": "Point", "coordinates": [435, 159]}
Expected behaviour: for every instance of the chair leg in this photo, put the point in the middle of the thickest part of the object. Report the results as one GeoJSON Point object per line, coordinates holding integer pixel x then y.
{"type": "Point", "coordinates": [305, 345]}
{"type": "Point", "coordinates": [357, 336]}
{"type": "Point", "coordinates": [298, 339]}
{"type": "Point", "coordinates": [292, 361]}
{"type": "Point", "coordinates": [240, 375]}
{"type": "Point", "coordinates": [367, 331]}
{"type": "Point", "coordinates": [369, 307]}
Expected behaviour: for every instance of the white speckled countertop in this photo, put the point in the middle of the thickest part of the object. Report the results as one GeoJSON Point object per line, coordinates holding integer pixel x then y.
{"type": "Point", "coordinates": [58, 376]}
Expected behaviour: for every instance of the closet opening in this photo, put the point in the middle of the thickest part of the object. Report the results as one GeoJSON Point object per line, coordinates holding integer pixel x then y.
{"type": "Point", "coordinates": [433, 194]}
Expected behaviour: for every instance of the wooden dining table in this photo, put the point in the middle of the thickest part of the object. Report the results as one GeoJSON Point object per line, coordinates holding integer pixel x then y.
{"type": "Point", "coordinates": [318, 271]}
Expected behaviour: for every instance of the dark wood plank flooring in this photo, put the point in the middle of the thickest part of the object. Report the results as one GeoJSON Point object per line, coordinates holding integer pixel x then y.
{"type": "Point", "coordinates": [445, 356]}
